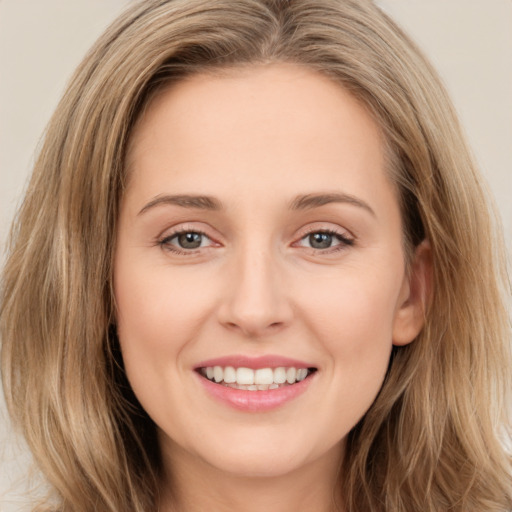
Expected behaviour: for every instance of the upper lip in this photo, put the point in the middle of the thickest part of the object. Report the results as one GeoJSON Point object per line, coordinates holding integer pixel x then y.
{"type": "Point", "coordinates": [267, 361]}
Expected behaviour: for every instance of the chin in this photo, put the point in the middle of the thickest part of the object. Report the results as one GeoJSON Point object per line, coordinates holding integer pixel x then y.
{"type": "Point", "coordinates": [264, 453]}
{"type": "Point", "coordinates": [251, 464]}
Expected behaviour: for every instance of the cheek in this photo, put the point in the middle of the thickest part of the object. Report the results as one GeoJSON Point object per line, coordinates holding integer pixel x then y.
{"type": "Point", "coordinates": [353, 320]}
{"type": "Point", "coordinates": [354, 310]}
{"type": "Point", "coordinates": [158, 313]}
{"type": "Point", "coordinates": [157, 300]}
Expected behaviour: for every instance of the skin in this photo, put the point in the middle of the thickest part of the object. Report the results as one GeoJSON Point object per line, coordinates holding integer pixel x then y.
{"type": "Point", "coordinates": [255, 139]}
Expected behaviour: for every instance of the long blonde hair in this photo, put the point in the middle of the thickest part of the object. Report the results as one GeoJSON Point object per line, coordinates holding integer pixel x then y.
{"type": "Point", "coordinates": [431, 441]}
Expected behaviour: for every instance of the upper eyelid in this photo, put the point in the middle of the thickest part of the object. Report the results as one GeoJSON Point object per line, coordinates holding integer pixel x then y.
{"type": "Point", "coordinates": [326, 230]}
{"type": "Point", "coordinates": [177, 232]}
{"type": "Point", "coordinates": [183, 227]}
{"type": "Point", "coordinates": [332, 229]}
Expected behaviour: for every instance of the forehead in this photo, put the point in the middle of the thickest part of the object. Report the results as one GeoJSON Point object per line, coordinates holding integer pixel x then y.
{"type": "Point", "coordinates": [261, 127]}
{"type": "Point", "coordinates": [276, 95]}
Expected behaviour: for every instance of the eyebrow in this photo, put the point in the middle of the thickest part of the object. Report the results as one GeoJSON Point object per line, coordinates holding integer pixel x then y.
{"type": "Point", "coordinates": [302, 202]}
{"type": "Point", "coordinates": [185, 201]}
{"type": "Point", "coordinates": [309, 201]}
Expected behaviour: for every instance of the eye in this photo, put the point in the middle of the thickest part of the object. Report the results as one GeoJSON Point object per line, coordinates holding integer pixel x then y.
{"type": "Point", "coordinates": [325, 239]}
{"type": "Point", "coordinates": [190, 240]}
{"type": "Point", "coordinates": [320, 240]}
{"type": "Point", "coordinates": [184, 241]}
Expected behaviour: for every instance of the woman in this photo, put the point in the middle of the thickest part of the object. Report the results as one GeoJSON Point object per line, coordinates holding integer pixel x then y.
{"type": "Point", "coordinates": [255, 270]}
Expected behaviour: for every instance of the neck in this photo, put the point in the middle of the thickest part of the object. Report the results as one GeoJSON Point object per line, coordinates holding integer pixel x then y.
{"type": "Point", "coordinates": [190, 484]}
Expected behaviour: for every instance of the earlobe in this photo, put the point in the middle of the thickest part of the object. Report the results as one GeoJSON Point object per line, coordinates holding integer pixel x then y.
{"type": "Point", "coordinates": [415, 296]}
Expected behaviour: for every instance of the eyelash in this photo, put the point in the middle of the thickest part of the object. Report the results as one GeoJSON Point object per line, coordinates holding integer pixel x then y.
{"type": "Point", "coordinates": [344, 241]}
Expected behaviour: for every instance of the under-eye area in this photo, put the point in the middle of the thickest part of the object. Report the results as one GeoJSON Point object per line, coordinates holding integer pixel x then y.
{"type": "Point", "coordinates": [261, 379]}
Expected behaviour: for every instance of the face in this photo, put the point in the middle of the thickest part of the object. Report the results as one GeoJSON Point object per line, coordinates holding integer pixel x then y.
{"type": "Point", "coordinates": [259, 271]}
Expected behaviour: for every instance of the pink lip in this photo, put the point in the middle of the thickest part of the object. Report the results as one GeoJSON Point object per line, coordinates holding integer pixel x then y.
{"type": "Point", "coordinates": [255, 401]}
{"type": "Point", "coordinates": [269, 361]}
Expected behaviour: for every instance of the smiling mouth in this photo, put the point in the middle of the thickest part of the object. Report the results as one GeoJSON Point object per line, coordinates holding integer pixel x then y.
{"type": "Point", "coordinates": [261, 379]}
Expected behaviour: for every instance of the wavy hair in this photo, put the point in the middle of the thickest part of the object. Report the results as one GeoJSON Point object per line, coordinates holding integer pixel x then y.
{"type": "Point", "coordinates": [433, 439]}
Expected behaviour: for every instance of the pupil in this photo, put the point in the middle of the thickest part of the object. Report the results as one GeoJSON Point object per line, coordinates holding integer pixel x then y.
{"type": "Point", "coordinates": [190, 240]}
{"type": "Point", "coordinates": [320, 240]}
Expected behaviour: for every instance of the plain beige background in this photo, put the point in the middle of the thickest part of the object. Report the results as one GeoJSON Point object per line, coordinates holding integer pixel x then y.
{"type": "Point", "coordinates": [42, 41]}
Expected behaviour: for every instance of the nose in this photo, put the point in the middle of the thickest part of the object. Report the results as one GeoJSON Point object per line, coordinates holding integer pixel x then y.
{"type": "Point", "coordinates": [255, 300]}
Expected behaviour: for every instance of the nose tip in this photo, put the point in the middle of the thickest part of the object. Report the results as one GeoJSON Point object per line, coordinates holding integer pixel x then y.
{"type": "Point", "coordinates": [254, 330]}
{"type": "Point", "coordinates": [254, 322]}
{"type": "Point", "coordinates": [257, 302]}
{"type": "Point", "coordinates": [255, 313]}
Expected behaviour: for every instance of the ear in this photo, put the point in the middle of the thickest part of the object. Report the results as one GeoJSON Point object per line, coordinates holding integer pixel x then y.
{"type": "Point", "coordinates": [415, 296]}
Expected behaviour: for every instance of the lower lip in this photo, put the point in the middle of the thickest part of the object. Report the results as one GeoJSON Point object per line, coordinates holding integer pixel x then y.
{"type": "Point", "coordinates": [256, 401]}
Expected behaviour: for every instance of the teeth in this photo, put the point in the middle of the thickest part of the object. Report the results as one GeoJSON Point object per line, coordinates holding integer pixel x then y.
{"type": "Point", "coordinates": [264, 376]}
{"type": "Point", "coordinates": [291, 374]}
{"type": "Point", "coordinates": [280, 375]}
{"type": "Point", "coordinates": [244, 376]}
{"type": "Point", "coordinates": [302, 374]}
{"type": "Point", "coordinates": [218, 374]}
{"type": "Point", "coordinates": [261, 379]}
{"type": "Point", "coordinates": [229, 375]}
